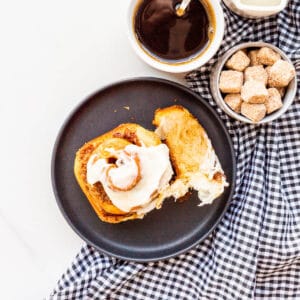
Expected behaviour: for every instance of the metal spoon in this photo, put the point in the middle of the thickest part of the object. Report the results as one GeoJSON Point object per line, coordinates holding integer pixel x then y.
{"type": "Point", "coordinates": [180, 8]}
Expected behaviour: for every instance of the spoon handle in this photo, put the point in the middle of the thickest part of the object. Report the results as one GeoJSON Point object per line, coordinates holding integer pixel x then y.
{"type": "Point", "coordinates": [182, 7]}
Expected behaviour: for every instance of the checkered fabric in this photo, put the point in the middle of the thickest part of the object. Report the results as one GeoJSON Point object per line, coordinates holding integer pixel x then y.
{"type": "Point", "coordinates": [254, 253]}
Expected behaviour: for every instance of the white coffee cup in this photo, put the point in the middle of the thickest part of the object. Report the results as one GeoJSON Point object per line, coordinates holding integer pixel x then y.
{"type": "Point", "coordinates": [187, 65]}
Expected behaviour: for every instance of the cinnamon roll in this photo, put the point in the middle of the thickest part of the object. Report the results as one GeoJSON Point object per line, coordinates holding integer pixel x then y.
{"type": "Point", "coordinates": [123, 172]}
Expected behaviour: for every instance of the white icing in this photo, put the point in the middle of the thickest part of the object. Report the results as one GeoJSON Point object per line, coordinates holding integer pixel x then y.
{"type": "Point", "coordinates": [156, 172]}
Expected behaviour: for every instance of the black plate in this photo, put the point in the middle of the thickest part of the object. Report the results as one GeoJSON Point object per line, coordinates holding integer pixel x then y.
{"type": "Point", "coordinates": [163, 233]}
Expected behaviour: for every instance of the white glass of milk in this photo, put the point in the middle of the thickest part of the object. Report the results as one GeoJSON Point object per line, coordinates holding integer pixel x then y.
{"type": "Point", "coordinates": [256, 8]}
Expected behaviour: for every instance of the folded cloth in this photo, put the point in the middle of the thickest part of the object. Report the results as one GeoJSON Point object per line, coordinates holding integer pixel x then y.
{"type": "Point", "coordinates": [254, 253]}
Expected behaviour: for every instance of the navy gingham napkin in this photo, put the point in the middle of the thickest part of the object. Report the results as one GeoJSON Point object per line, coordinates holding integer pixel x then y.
{"type": "Point", "coordinates": [254, 253]}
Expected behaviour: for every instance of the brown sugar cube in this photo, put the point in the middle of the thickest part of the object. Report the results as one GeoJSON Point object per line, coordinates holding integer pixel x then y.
{"type": "Point", "coordinates": [231, 81]}
{"type": "Point", "coordinates": [281, 73]}
{"type": "Point", "coordinates": [254, 92]}
{"type": "Point", "coordinates": [238, 61]}
{"type": "Point", "coordinates": [254, 112]}
{"type": "Point", "coordinates": [253, 58]}
{"type": "Point", "coordinates": [281, 91]}
{"type": "Point", "coordinates": [257, 73]}
{"type": "Point", "coordinates": [234, 101]}
{"type": "Point", "coordinates": [268, 70]}
{"type": "Point", "coordinates": [267, 56]}
{"type": "Point", "coordinates": [273, 101]}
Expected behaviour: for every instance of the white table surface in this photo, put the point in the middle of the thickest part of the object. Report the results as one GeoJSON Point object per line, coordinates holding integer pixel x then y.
{"type": "Point", "coordinates": [53, 54]}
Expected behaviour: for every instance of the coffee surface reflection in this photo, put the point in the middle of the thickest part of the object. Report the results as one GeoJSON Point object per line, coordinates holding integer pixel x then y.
{"type": "Point", "coordinates": [168, 36]}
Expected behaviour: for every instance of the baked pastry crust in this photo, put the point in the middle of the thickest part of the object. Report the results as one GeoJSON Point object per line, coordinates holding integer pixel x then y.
{"type": "Point", "coordinates": [185, 137]}
{"type": "Point", "coordinates": [191, 151]}
{"type": "Point", "coordinates": [130, 132]}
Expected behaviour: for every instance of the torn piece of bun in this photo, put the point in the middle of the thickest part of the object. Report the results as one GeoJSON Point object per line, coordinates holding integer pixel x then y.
{"type": "Point", "coordinates": [193, 157]}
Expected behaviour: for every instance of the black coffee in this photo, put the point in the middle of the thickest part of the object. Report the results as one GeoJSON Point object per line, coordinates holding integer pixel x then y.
{"type": "Point", "coordinates": [168, 36]}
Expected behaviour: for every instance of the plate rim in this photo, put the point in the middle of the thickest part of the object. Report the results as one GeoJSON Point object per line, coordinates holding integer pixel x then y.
{"type": "Point", "coordinates": [79, 106]}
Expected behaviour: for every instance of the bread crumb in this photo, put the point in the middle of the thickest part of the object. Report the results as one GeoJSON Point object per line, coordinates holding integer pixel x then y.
{"type": "Point", "coordinates": [126, 107]}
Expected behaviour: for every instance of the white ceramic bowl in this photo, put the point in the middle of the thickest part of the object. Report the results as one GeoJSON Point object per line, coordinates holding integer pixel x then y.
{"type": "Point", "coordinates": [183, 66]}
{"type": "Point", "coordinates": [215, 76]}
{"type": "Point", "coordinates": [255, 11]}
